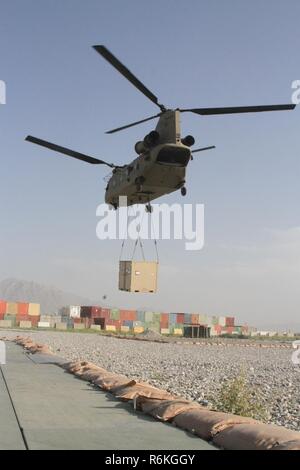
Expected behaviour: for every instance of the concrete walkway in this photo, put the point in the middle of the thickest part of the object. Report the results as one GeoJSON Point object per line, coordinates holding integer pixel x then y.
{"type": "Point", "coordinates": [43, 407]}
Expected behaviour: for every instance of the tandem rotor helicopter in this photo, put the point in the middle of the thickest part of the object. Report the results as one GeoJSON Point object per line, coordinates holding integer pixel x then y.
{"type": "Point", "coordinates": [163, 155]}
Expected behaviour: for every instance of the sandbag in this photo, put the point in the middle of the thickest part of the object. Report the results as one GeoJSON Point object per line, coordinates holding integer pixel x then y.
{"type": "Point", "coordinates": [290, 445]}
{"type": "Point", "coordinates": [141, 389]}
{"type": "Point", "coordinates": [112, 382]}
{"type": "Point", "coordinates": [205, 423]}
{"type": "Point", "coordinates": [257, 436]}
{"type": "Point", "coordinates": [165, 410]}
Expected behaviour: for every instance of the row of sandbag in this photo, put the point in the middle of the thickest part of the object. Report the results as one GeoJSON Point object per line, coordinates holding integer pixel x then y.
{"type": "Point", "coordinates": [222, 429]}
{"type": "Point", "coordinates": [31, 346]}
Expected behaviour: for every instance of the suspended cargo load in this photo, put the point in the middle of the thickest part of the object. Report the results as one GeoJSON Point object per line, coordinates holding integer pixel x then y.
{"type": "Point", "coordinates": [138, 276]}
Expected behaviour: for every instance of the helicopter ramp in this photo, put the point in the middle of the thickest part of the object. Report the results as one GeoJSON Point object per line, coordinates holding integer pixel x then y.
{"type": "Point", "coordinates": [42, 407]}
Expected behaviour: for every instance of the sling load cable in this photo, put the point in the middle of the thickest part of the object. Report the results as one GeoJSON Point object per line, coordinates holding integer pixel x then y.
{"type": "Point", "coordinates": [139, 238]}
{"type": "Point", "coordinates": [131, 208]}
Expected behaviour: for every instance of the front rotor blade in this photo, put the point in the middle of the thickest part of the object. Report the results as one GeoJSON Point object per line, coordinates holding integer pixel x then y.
{"type": "Point", "coordinates": [239, 109]}
{"type": "Point", "coordinates": [66, 151]}
{"type": "Point", "coordinates": [204, 148]}
{"type": "Point", "coordinates": [127, 74]}
{"type": "Point", "coordinates": [132, 124]}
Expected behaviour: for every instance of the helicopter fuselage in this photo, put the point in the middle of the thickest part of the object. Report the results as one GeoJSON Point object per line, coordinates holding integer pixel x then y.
{"type": "Point", "coordinates": [152, 174]}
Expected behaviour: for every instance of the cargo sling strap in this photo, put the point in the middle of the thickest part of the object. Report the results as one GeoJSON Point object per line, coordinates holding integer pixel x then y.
{"type": "Point", "coordinates": [138, 241]}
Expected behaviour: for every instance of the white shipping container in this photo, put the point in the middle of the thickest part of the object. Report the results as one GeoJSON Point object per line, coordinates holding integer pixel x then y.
{"type": "Point", "coordinates": [74, 311]}
{"type": "Point", "coordinates": [43, 324]}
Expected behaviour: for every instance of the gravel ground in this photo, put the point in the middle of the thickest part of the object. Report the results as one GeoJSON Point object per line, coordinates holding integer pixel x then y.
{"type": "Point", "coordinates": [193, 371]}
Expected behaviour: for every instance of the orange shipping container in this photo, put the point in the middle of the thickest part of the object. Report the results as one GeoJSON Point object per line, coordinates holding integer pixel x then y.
{"type": "Point", "coordinates": [2, 306]}
{"type": "Point", "coordinates": [194, 319]}
{"type": "Point", "coordinates": [23, 308]}
{"type": "Point", "coordinates": [128, 315]}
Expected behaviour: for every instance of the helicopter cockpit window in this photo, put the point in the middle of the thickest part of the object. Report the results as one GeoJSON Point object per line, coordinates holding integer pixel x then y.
{"type": "Point", "coordinates": [174, 156]}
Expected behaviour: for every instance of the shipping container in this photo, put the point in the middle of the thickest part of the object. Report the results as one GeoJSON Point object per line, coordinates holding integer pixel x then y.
{"type": "Point", "coordinates": [222, 321]}
{"type": "Point", "coordinates": [96, 312]}
{"type": "Point", "coordinates": [187, 318]}
{"type": "Point", "coordinates": [148, 317]}
{"type": "Point", "coordinates": [5, 324]}
{"type": "Point", "coordinates": [203, 320]}
{"type": "Point", "coordinates": [105, 313]}
{"type": "Point", "coordinates": [140, 315]}
{"type": "Point", "coordinates": [128, 315]}
{"type": "Point", "coordinates": [85, 311]}
{"type": "Point", "coordinates": [11, 308]}
{"type": "Point", "coordinates": [172, 318]}
{"type": "Point", "coordinates": [22, 308]}
{"type": "Point", "coordinates": [230, 321]}
{"type": "Point", "coordinates": [34, 310]}
{"type": "Point", "coordinates": [180, 318]}
{"type": "Point", "coordinates": [138, 276]}
{"type": "Point", "coordinates": [25, 324]}
{"type": "Point", "coordinates": [2, 307]}
{"type": "Point", "coordinates": [101, 322]}
{"type": "Point", "coordinates": [74, 311]}
{"type": "Point", "coordinates": [195, 319]}
{"type": "Point", "coordinates": [115, 314]}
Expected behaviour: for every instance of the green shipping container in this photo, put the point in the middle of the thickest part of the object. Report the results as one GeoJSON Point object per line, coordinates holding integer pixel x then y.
{"type": "Point", "coordinates": [115, 314]}
{"type": "Point", "coordinates": [11, 318]}
{"type": "Point", "coordinates": [148, 317]}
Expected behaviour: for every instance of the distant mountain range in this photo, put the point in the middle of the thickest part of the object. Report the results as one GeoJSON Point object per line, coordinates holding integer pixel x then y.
{"type": "Point", "coordinates": [50, 298]}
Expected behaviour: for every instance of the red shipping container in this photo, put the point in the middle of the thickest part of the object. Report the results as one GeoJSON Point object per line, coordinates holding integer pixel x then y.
{"type": "Point", "coordinates": [105, 313]}
{"type": "Point", "coordinates": [23, 308]}
{"type": "Point", "coordinates": [95, 312]}
{"type": "Point", "coordinates": [23, 318]}
{"type": "Point", "coordinates": [128, 315]}
{"type": "Point", "coordinates": [194, 319]}
{"type": "Point", "coordinates": [34, 321]}
{"type": "Point", "coordinates": [2, 307]}
{"type": "Point", "coordinates": [229, 321]}
{"type": "Point", "coordinates": [164, 320]}
{"type": "Point", "coordinates": [218, 329]}
{"type": "Point", "coordinates": [2, 316]}
{"type": "Point", "coordinates": [180, 318]}
{"type": "Point", "coordinates": [230, 330]}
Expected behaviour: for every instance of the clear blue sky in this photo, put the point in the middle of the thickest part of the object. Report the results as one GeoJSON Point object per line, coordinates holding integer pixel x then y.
{"type": "Point", "coordinates": [191, 54]}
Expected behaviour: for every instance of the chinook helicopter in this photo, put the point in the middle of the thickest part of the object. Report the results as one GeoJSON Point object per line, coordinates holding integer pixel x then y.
{"type": "Point", "coordinates": [163, 155]}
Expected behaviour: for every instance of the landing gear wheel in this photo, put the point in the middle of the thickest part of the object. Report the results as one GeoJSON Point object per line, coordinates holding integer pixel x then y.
{"type": "Point", "coordinates": [183, 191]}
{"type": "Point", "coordinates": [149, 208]}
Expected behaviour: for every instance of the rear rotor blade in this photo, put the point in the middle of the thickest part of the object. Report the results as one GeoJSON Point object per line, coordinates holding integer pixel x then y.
{"type": "Point", "coordinates": [204, 148]}
{"type": "Point", "coordinates": [66, 151]}
{"type": "Point", "coordinates": [239, 109]}
{"type": "Point", "coordinates": [133, 124]}
{"type": "Point", "coordinates": [107, 55]}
